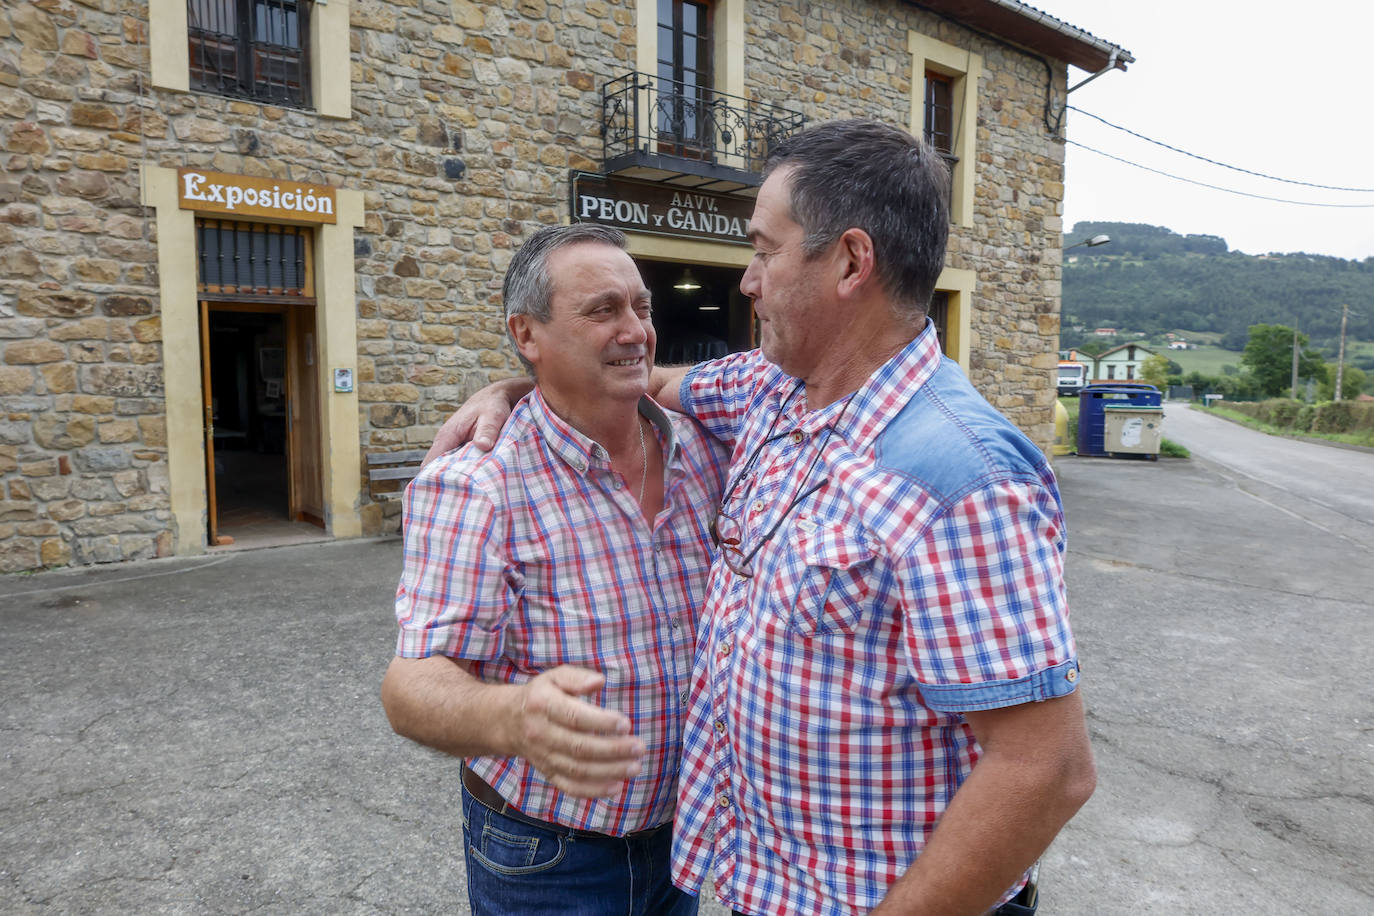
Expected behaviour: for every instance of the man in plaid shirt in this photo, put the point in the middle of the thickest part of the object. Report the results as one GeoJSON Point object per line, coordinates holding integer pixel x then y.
{"type": "Point", "coordinates": [884, 709]}
{"type": "Point", "coordinates": [548, 601]}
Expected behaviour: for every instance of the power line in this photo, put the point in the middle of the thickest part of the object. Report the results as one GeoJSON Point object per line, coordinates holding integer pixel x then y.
{"type": "Point", "coordinates": [1280, 200]}
{"type": "Point", "coordinates": [1235, 168]}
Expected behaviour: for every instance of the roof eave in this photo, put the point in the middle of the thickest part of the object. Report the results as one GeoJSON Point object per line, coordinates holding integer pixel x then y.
{"type": "Point", "coordinates": [1035, 30]}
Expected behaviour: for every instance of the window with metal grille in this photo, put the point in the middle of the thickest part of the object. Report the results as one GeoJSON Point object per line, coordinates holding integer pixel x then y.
{"type": "Point", "coordinates": [939, 126]}
{"type": "Point", "coordinates": [249, 259]}
{"type": "Point", "coordinates": [254, 49]}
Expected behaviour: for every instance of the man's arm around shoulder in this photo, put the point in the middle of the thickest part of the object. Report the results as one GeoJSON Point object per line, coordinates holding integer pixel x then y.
{"type": "Point", "coordinates": [481, 417]}
{"type": "Point", "coordinates": [665, 385]}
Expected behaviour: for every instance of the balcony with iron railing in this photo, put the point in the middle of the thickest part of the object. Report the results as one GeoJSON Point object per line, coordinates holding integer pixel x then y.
{"type": "Point", "coordinates": [670, 131]}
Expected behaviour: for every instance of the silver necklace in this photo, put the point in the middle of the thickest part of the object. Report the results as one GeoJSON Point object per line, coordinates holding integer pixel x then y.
{"type": "Point", "coordinates": [643, 459]}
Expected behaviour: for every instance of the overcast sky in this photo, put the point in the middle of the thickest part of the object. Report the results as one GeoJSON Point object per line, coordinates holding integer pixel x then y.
{"type": "Point", "coordinates": [1277, 88]}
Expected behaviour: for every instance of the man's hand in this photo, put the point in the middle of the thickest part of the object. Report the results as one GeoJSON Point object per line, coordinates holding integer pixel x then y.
{"type": "Point", "coordinates": [481, 417]}
{"type": "Point", "coordinates": [579, 747]}
{"type": "Point", "coordinates": [582, 749]}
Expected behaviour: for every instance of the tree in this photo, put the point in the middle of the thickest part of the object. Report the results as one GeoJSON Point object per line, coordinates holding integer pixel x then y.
{"type": "Point", "coordinates": [1352, 382]}
{"type": "Point", "coordinates": [1269, 357]}
{"type": "Point", "coordinates": [1155, 371]}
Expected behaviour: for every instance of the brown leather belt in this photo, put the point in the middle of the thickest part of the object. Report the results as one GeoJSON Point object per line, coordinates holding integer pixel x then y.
{"type": "Point", "coordinates": [479, 789]}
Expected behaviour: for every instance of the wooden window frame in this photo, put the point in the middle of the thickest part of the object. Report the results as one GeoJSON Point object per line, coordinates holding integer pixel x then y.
{"type": "Point", "coordinates": [939, 127]}
{"type": "Point", "coordinates": [229, 54]}
{"type": "Point", "coordinates": [694, 139]}
{"type": "Point", "coordinates": [963, 69]}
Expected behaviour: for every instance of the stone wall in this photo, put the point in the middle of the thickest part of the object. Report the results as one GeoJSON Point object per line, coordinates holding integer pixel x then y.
{"type": "Point", "coordinates": [82, 439]}
{"type": "Point", "coordinates": [466, 120]}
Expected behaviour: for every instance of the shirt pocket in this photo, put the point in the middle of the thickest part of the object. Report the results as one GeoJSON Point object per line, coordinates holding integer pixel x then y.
{"type": "Point", "coordinates": [837, 580]}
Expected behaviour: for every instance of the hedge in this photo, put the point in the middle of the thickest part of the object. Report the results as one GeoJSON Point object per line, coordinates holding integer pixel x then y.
{"type": "Point", "coordinates": [1327, 417]}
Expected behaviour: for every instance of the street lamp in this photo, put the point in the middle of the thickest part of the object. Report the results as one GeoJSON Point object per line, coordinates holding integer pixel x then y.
{"type": "Point", "coordinates": [1091, 243]}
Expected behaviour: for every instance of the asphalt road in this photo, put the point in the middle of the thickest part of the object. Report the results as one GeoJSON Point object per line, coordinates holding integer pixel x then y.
{"type": "Point", "coordinates": [1330, 487]}
{"type": "Point", "coordinates": [1225, 618]}
{"type": "Point", "coordinates": [204, 735]}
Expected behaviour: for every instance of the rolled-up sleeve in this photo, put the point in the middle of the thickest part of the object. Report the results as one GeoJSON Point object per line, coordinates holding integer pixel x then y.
{"type": "Point", "coordinates": [455, 588]}
{"type": "Point", "coordinates": [987, 618]}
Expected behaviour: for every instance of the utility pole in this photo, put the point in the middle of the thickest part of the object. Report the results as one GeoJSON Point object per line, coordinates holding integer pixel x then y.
{"type": "Point", "coordinates": [1340, 353]}
{"type": "Point", "coordinates": [1295, 360]}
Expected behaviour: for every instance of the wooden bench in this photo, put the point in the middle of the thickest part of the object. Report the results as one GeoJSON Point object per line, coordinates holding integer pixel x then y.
{"type": "Point", "coordinates": [400, 467]}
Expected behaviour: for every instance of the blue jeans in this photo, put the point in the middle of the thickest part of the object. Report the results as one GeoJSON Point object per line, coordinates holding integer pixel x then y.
{"type": "Point", "coordinates": [518, 868]}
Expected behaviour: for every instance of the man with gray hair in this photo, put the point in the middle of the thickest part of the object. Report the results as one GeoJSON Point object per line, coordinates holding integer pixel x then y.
{"type": "Point", "coordinates": [548, 601]}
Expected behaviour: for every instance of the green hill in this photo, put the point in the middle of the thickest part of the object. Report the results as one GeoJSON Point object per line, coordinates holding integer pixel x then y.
{"type": "Point", "coordinates": [1151, 280]}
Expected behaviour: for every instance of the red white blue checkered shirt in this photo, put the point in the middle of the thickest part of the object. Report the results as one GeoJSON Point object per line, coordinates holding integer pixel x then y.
{"type": "Point", "coordinates": [535, 555]}
{"type": "Point", "coordinates": [924, 579]}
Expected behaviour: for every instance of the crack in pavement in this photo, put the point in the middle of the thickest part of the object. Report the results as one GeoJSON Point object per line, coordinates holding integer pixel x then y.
{"type": "Point", "coordinates": [1116, 560]}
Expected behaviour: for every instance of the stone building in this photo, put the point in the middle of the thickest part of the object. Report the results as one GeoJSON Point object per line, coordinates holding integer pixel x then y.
{"type": "Point", "coordinates": [245, 244]}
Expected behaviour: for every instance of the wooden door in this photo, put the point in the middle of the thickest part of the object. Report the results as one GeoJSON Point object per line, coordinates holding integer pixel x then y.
{"type": "Point", "coordinates": [208, 413]}
{"type": "Point", "coordinates": [304, 461]}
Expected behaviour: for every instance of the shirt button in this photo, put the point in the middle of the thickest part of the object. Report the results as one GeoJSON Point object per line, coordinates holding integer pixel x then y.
{"type": "Point", "coordinates": [720, 726]}
{"type": "Point", "coordinates": [1072, 675]}
{"type": "Point", "coordinates": [617, 484]}
{"type": "Point", "coordinates": [797, 437]}
{"type": "Point", "coordinates": [724, 649]}
{"type": "Point", "coordinates": [723, 800]}
{"type": "Point", "coordinates": [757, 507]}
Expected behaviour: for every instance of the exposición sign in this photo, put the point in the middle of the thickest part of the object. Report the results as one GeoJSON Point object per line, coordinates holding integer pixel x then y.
{"type": "Point", "coordinates": [245, 195]}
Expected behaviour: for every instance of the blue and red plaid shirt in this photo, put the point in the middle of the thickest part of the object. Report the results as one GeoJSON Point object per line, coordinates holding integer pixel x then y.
{"type": "Point", "coordinates": [923, 579]}
{"type": "Point", "coordinates": [535, 555]}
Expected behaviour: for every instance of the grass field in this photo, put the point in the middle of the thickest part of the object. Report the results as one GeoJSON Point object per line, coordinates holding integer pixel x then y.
{"type": "Point", "coordinates": [1199, 337]}
{"type": "Point", "coordinates": [1207, 360]}
{"type": "Point", "coordinates": [1355, 348]}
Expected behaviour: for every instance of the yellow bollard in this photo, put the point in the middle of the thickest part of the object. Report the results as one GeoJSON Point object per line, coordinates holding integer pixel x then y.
{"type": "Point", "coordinates": [1062, 445]}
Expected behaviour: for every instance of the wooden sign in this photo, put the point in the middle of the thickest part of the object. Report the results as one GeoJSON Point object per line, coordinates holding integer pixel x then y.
{"type": "Point", "coordinates": [661, 209]}
{"type": "Point", "coordinates": [244, 195]}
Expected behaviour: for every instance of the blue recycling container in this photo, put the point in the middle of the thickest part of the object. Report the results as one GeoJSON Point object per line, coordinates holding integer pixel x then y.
{"type": "Point", "coordinates": [1092, 414]}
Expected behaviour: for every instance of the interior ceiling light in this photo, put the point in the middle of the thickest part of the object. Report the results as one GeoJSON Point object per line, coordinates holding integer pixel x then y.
{"type": "Point", "coordinates": [708, 308]}
{"type": "Point", "coordinates": [688, 282]}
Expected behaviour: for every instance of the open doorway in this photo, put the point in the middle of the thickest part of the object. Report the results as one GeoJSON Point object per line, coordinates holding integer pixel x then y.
{"type": "Point", "coordinates": [262, 447]}
{"type": "Point", "coordinates": [259, 383]}
{"type": "Point", "coordinates": [699, 312]}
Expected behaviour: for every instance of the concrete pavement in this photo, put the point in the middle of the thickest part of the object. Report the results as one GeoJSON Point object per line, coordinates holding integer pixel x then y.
{"type": "Point", "coordinates": [204, 735]}
{"type": "Point", "coordinates": [1225, 645]}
